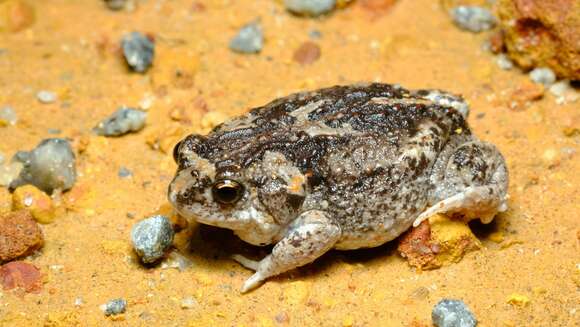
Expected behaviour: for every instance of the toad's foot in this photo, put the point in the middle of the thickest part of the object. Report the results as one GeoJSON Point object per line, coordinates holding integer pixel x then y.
{"type": "Point", "coordinates": [483, 202]}
{"type": "Point", "coordinates": [311, 235]}
{"type": "Point", "coordinates": [248, 263]}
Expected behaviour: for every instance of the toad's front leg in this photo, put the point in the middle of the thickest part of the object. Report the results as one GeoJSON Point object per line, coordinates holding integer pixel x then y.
{"type": "Point", "coordinates": [311, 235]}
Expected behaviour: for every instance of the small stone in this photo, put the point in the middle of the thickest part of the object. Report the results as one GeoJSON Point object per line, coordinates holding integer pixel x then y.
{"type": "Point", "coordinates": [124, 172]}
{"type": "Point", "coordinates": [28, 197]}
{"type": "Point", "coordinates": [307, 53]}
{"type": "Point", "coordinates": [152, 237]}
{"type": "Point", "coordinates": [18, 274]}
{"type": "Point", "coordinates": [121, 122]}
{"type": "Point", "coordinates": [452, 313]}
{"type": "Point", "coordinates": [139, 51]}
{"type": "Point", "coordinates": [310, 7]}
{"type": "Point", "coordinates": [177, 261]}
{"type": "Point", "coordinates": [78, 302]}
{"type": "Point", "coordinates": [250, 39]}
{"type": "Point", "coordinates": [315, 34]}
{"type": "Point", "coordinates": [543, 75]}
{"type": "Point", "coordinates": [114, 307]}
{"type": "Point", "coordinates": [119, 4]}
{"type": "Point", "coordinates": [49, 166]}
{"type": "Point", "coordinates": [19, 235]}
{"type": "Point", "coordinates": [472, 18]}
{"type": "Point", "coordinates": [46, 97]}
{"type": "Point", "coordinates": [8, 116]}
{"type": "Point", "coordinates": [188, 303]}
{"type": "Point", "coordinates": [519, 300]}
{"type": "Point", "coordinates": [504, 62]}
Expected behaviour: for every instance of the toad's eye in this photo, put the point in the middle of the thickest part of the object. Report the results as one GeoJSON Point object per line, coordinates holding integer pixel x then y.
{"type": "Point", "coordinates": [227, 191]}
{"type": "Point", "coordinates": [176, 151]}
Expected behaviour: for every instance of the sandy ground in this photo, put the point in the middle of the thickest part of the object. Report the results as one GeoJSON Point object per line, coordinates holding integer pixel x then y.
{"type": "Point", "coordinates": [72, 50]}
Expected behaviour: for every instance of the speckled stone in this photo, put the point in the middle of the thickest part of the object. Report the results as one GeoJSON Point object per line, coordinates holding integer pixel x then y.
{"type": "Point", "coordinates": [310, 7]}
{"type": "Point", "coordinates": [122, 121]}
{"type": "Point", "coordinates": [114, 307]}
{"type": "Point", "coordinates": [452, 313]}
{"type": "Point", "coordinates": [250, 39]}
{"type": "Point", "coordinates": [139, 51]}
{"type": "Point", "coordinates": [152, 237]}
{"type": "Point", "coordinates": [472, 18]}
{"type": "Point", "coordinates": [49, 166]}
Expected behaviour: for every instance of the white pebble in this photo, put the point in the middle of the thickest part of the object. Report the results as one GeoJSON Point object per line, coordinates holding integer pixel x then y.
{"type": "Point", "coordinates": [504, 62]}
{"type": "Point", "coordinates": [8, 116]}
{"type": "Point", "coordinates": [188, 302]}
{"type": "Point", "coordinates": [472, 18]}
{"type": "Point", "coordinates": [46, 96]}
{"type": "Point", "coordinates": [543, 75]}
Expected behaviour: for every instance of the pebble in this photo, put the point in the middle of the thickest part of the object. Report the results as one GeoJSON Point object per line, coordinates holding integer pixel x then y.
{"type": "Point", "coordinates": [472, 18]}
{"type": "Point", "coordinates": [8, 116]}
{"type": "Point", "coordinates": [315, 34]}
{"type": "Point", "coordinates": [307, 53]}
{"type": "Point", "coordinates": [139, 51]}
{"type": "Point", "coordinates": [310, 7]}
{"type": "Point", "coordinates": [121, 122]}
{"type": "Point", "coordinates": [118, 4]}
{"type": "Point", "coordinates": [504, 62]}
{"type": "Point", "coordinates": [188, 303]}
{"type": "Point", "coordinates": [250, 39]}
{"type": "Point", "coordinates": [18, 274]}
{"type": "Point", "coordinates": [124, 172]}
{"type": "Point", "coordinates": [19, 235]}
{"type": "Point", "coordinates": [151, 237]}
{"type": "Point", "coordinates": [452, 313]}
{"type": "Point", "coordinates": [114, 307]}
{"type": "Point", "coordinates": [49, 166]}
{"type": "Point", "coordinates": [38, 203]}
{"type": "Point", "coordinates": [543, 75]}
{"type": "Point", "coordinates": [46, 97]}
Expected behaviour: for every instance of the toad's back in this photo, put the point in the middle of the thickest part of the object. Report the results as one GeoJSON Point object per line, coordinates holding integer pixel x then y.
{"type": "Point", "coordinates": [367, 149]}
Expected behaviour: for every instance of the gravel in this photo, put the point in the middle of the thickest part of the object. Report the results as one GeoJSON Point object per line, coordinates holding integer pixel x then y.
{"type": "Point", "coordinates": [114, 307]}
{"type": "Point", "coordinates": [46, 97]}
{"type": "Point", "coordinates": [452, 313]}
{"type": "Point", "coordinates": [310, 7]}
{"type": "Point", "coordinates": [138, 51]}
{"type": "Point", "coordinates": [151, 237]}
{"type": "Point", "coordinates": [49, 166]}
{"type": "Point", "coordinates": [116, 4]}
{"type": "Point", "coordinates": [121, 122]}
{"type": "Point", "coordinates": [472, 18]}
{"type": "Point", "coordinates": [543, 75]}
{"type": "Point", "coordinates": [504, 62]}
{"type": "Point", "coordinates": [124, 172]}
{"type": "Point", "coordinates": [8, 116]}
{"type": "Point", "coordinates": [250, 39]}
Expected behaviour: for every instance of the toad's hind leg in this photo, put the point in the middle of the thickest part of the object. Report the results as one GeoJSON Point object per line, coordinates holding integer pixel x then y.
{"type": "Point", "coordinates": [473, 182]}
{"type": "Point", "coordinates": [311, 235]}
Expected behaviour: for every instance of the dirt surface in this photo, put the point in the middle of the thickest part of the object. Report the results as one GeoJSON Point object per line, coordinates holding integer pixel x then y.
{"type": "Point", "coordinates": [526, 274]}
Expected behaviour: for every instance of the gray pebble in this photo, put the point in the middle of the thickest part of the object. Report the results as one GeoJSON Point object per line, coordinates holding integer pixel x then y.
{"type": "Point", "coordinates": [310, 7]}
{"type": "Point", "coordinates": [452, 313]}
{"type": "Point", "coordinates": [138, 51]}
{"type": "Point", "coordinates": [121, 122]}
{"type": "Point", "coordinates": [504, 62]}
{"type": "Point", "coordinates": [250, 39]}
{"type": "Point", "coordinates": [49, 166]}
{"type": "Point", "coordinates": [54, 131]}
{"type": "Point", "coordinates": [124, 172]}
{"type": "Point", "coordinates": [46, 97]}
{"type": "Point", "coordinates": [543, 75]}
{"type": "Point", "coordinates": [151, 237]}
{"type": "Point", "coordinates": [116, 4]}
{"type": "Point", "coordinates": [114, 307]}
{"type": "Point", "coordinates": [472, 18]}
{"type": "Point", "coordinates": [315, 34]}
{"type": "Point", "coordinates": [8, 116]}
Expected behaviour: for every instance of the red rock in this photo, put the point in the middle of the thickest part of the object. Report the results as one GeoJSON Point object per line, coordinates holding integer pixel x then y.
{"type": "Point", "coordinates": [19, 235]}
{"type": "Point", "coordinates": [307, 53]}
{"type": "Point", "coordinates": [19, 274]}
{"type": "Point", "coordinates": [543, 33]}
{"type": "Point", "coordinates": [415, 245]}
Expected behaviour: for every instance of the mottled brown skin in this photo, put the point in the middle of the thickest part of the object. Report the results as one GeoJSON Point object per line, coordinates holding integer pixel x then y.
{"type": "Point", "coordinates": [344, 167]}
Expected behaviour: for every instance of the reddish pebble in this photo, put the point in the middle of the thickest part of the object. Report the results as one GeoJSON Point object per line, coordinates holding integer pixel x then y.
{"type": "Point", "coordinates": [19, 274]}
{"type": "Point", "coordinates": [308, 53]}
{"type": "Point", "coordinates": [19, 235]}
